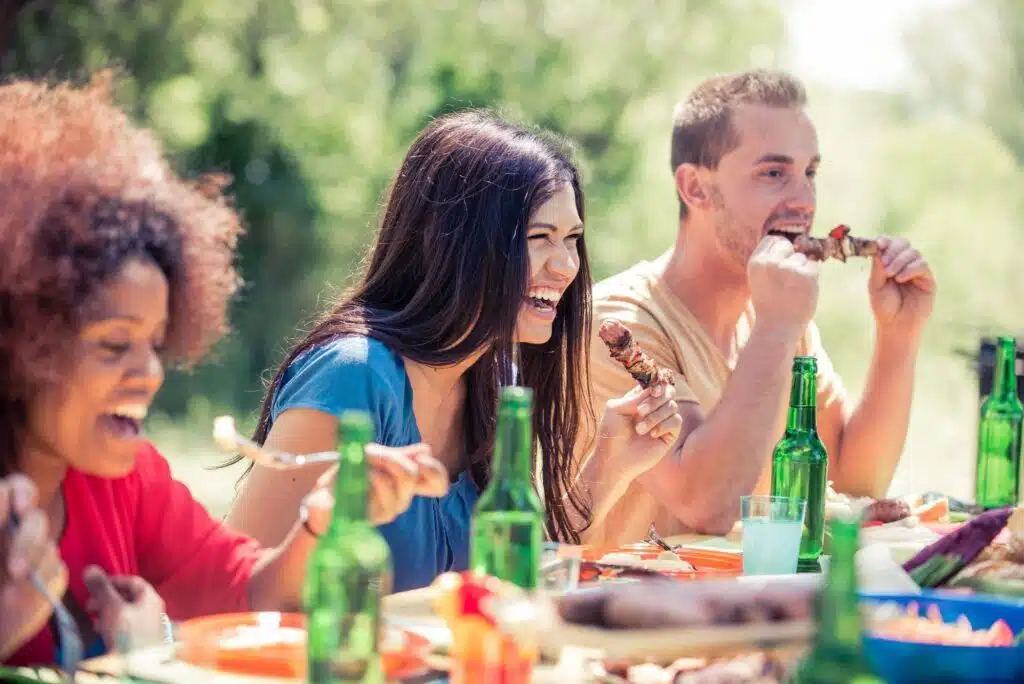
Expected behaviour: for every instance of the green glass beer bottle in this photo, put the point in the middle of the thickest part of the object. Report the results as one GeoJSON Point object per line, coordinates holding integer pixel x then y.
{"type": "Point", "coordinates": [348, 573]}
{"type": "Point", "coordinates": [997, 480]}
{"type": "Point", "coordinates": [837, 655]}
{"type": "Point", "coordinates": [508, 520]}
{"type": "Point", "coordinates": [800, 464]}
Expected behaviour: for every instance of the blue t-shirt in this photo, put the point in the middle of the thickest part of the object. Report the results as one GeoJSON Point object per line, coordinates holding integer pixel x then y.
{"type": "Point", "coordinates": [360, 373]}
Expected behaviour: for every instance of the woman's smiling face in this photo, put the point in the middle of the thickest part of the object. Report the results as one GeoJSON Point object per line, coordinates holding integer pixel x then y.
{"type": "Point", "coordinates": [93, 419]}
{"type": "Point", "coordinates": [553, 234]}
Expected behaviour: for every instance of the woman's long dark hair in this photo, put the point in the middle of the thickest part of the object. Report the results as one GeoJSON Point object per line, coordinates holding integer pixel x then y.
{"type": "Point", "coordinates": [447, 276]}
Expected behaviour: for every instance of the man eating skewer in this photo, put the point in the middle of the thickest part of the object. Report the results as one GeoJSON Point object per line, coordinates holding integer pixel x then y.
{"type": "Point", "coordinates": [728, 307]}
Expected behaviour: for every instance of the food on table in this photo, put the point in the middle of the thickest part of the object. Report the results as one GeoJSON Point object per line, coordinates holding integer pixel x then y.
{"type": "Point", "coordinates": [838, 244]}
{"type": "Point", "coordinates": [914, 509]}
{"type": "Point", "coordinates": [624, 349]}
{"type": "Point", "coordinates": [480, 651]}
{"type": "Point", "coordinates": [999, 569]}
{"type": "Point", "coordinates": [904, 537]}
{"type": "Point", "coordinates": [591, 571]}
{"type": "Point", "coordinates": [843, 505]}
{"type": "Point", "coordinates": [676, 604]}
{"type": "Point", "coordinates": [886, 511]}
{"type": "Point", "coordinates": [889, 620]}
{"type": "Point", "coordinates": [588, 665]}
{"type": "Point", "coordinates": [666, 560]}
{"type": "Point", "coordinates": [994, 569]}
{"type": "Point", "coordinates": [940, 561]}
{"type": "Point", "coordinates": [1012, 551]}
{"type": "Point", "coordinates": [936, 510]}
{"type": "Point", "coordinates": [752, 668]}
{"type": "Point", "coordinates": [246, 637]}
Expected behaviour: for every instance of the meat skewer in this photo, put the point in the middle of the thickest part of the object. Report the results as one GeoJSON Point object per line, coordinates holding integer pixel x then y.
{"type": "Point", "coordinates": [624, 349]}
{"type": "Point", "coordinates": [839, 244]}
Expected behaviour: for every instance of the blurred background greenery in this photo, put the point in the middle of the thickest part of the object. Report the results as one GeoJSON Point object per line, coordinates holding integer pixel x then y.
{"type": "Point", "coordinates": [310, 105]}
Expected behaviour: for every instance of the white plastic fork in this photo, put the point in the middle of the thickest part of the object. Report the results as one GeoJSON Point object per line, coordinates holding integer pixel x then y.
{"type": "Point", "coordinates": [229, 440]}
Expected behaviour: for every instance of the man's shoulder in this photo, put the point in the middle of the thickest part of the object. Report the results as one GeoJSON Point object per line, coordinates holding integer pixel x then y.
{"type": "Point", "coordinates": [628, 295]}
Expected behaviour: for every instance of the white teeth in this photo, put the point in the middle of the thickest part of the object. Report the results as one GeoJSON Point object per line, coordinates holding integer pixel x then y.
{"type": "Point", "coordinates": [791, 230]}
{"type": "Point", "coordinates": [546, 293]}
{"type": "Point", "coordinates": [134, 411]}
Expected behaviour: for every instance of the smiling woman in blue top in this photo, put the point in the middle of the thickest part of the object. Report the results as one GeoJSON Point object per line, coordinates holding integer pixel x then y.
{"type": "Point", "coordinates": [480, 247]}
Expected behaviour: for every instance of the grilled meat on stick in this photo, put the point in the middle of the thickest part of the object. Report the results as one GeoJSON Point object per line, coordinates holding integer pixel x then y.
{"type": "Point", "coordinates": [839, 244]}
{"type": "Point", "coordinates": [625, 350]}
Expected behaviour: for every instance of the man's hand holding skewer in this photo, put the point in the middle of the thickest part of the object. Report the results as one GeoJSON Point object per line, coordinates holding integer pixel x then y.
{"type": "Point", "coordinates": [902, 289]}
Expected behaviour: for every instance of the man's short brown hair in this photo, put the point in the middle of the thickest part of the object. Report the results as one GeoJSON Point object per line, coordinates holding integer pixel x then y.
{"type": "Point", "coordinates": [702, 131]}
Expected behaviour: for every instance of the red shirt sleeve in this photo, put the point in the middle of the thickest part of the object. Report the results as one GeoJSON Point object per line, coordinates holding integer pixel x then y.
{"type": "Point", "coordinates": [197, 565]}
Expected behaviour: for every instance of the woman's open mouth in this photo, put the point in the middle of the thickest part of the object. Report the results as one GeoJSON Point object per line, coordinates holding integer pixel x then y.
{"type": "Point", "coordinates": [125, 421]}
{"type": "Point", "coordinates": [543, 301]}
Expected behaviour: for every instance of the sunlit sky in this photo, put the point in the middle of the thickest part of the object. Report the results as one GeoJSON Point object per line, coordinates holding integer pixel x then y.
{"type": "Point", "coordinates": [851, 42]}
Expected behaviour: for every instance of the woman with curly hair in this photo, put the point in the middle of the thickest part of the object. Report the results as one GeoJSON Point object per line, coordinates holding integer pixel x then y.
{"type": "Point", "coordinates": [111, 266]}
{"type": "Point", "coordinates": [480, 250]}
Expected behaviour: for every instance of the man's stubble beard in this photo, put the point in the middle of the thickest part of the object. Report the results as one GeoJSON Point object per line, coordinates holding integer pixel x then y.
{"type": "Point", "coordinates": [737, 242]}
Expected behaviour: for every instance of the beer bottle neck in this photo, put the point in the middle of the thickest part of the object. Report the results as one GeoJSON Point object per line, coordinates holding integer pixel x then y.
{"type": "Point", "coordinates": [351, 487]}
{"type": "Point", "coordinates": [802, 403]}
{"type": "Point", "coordinates": [839, 619]}
{"type": "Point", "coordinates": [1005, 380]}
{"type": "Point", "coordinates": [513, 448]}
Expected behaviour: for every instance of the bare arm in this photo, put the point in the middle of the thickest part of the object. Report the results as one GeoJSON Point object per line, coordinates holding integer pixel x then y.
{"type": "Point", "coordinates": [720, 457]}
{"type": "Point", "coordinates": [265, 507]}
{"type": "Point", "coordinates": [601, 487]}
{"type": "Point", "coordinates": [870, 442]}
{"type": "Point", "coordinates": [277, 580]}
{"type": "Point", "coordinates": [396, 475]}
{"type": "Point", "coordinates": [605, 467]}
{"type": "Point", "coordinates": [636, 431]}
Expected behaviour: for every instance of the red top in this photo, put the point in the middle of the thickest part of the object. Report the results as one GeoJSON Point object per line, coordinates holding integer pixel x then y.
{"type": "Point", "coordinates": [148, 524]}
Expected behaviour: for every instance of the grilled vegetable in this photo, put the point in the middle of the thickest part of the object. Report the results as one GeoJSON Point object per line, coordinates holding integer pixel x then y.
{"type": "Point", "coordinates": [956, 549]}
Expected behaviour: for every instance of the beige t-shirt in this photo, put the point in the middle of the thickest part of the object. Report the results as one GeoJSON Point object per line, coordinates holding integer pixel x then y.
{"type": "Point", "coordinates": [670, 334]}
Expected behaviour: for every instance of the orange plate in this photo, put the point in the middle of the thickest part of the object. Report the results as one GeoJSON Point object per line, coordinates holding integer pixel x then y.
{"type": "Point", "coordinates": [708, 563]}
{"type": "Point", "coordinates": [275, 645]}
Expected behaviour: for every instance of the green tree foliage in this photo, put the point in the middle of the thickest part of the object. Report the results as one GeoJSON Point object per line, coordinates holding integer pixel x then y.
{"type": "Point", "coordinates": [969, 61]}
{"type": "Point", "coordinates": [310, 105]}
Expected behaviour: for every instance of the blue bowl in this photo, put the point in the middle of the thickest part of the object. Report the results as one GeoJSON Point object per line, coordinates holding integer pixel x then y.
{"type": "Point", "coordinates": [904, 661]}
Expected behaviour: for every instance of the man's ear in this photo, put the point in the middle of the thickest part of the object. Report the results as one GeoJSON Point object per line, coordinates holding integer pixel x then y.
{"type": "Point", "coordinates": [693, 186]}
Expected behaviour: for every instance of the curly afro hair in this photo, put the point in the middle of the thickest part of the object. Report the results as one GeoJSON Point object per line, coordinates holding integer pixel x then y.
{"type": "Point", "coordinates": [82, 190]}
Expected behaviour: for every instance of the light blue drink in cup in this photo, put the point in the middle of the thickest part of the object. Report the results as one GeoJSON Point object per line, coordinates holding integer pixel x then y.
{"type": "Point", "coordinates": [772, 527]}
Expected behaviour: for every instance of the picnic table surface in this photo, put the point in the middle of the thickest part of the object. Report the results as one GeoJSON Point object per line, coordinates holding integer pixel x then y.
{"type": "Point", "coordinates": [157, 665]}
